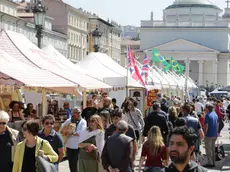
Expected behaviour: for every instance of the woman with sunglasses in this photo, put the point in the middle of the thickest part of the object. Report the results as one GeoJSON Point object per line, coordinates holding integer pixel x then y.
{"type": "Point", "coordinates": [28, 150]}
{"type": "Point", "coordinates": [48, 133]}
{"type": "Point", "coordinates": [91, 143]}
{"type": "Point", "coordinates": [7, 143]}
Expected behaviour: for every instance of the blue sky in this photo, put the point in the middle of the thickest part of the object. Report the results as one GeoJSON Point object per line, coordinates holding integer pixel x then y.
{"type": "Point", "coordinates": [128, 12]}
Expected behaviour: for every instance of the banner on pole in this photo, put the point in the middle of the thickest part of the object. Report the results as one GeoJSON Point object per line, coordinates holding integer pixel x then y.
{"type": "Point", "coordinates": [152, 95]}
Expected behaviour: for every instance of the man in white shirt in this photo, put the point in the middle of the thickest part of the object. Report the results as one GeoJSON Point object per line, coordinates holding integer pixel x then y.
{"type": "Point", "coordinates": [199, 107]}
{"type": "Point", "coordinates": [71, 129]}
{"type": "Point", "coordinates": [226, 103]}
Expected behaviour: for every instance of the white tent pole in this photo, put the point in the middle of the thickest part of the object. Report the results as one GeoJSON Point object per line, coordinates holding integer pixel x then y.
{"type": "Point", "coordinates": [84, 98]}
{"type": "Point", "coordinates": [44, 102]}
{"type": "Point", "coordinates": [127, 72]}
{"type": "Point", "coordinates": [186, 80]}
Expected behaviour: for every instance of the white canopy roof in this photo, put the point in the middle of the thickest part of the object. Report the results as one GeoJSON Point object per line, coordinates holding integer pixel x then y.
{"type": "Point", "coordinates": [216, 91]}
{"type": "Point", "coordinates": [25, 51]}
{"type": "Point", "coordinates": [102, 66]}
{"type": "Point", "coordinates": [14, 72]}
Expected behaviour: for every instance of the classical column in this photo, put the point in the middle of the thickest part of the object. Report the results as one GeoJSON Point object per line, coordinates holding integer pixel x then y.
{"type": "Point", "coordinates": [201, 72]}
{"type": "Point", "coordinates": [187, 62]}
{"type": "Point", "coordinates": [214, 70]}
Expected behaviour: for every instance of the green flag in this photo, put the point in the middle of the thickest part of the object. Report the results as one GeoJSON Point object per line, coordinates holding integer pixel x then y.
{"type": "Point", "coordinates": [156, 57]}
{"type": "Point", "coordinates": [178, 68]}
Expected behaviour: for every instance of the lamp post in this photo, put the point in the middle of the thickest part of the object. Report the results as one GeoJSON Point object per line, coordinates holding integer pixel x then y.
{"type": "Point", "coordinates": [39, 11]}
{"type": "Point", "coordinates": [96, 37]}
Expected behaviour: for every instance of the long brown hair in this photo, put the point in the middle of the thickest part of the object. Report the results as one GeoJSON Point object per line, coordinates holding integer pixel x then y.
{"type": "Point", "coordinates": [155, 140]}
{"type": "Point", "coordinates": [98, 120]}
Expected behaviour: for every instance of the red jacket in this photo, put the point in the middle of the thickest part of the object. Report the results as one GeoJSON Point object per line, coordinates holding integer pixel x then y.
{"type": "Point", "coordinates": [218, 112]}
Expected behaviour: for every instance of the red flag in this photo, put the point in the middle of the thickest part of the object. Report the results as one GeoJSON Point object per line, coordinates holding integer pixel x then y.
{"type": "Point", "coordinates": [133, 67]}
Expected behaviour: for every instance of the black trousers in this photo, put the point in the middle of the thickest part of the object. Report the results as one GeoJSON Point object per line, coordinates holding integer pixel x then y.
{"type": "Point", "coordinates": [72, 156]}
{"type": "Point", "coordinates": [137, 134]}
{"type": "Point", "coordinates": [221, 125]}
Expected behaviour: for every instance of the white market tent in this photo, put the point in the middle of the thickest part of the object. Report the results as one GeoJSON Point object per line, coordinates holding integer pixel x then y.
{"type": "Point", "coordinates": [154, 80]}
{"type": "Point", "coordinates": [216, 91]}
{"type": "Point", "coordinates": [18, 46]}
{"type": "Point", "coordinates": [14, 72]}
{"type": "Point", "coordinates": [102, 66]}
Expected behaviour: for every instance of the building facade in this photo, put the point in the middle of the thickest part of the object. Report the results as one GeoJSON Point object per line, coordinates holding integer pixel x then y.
{"type": "Point", "coordinates": [196, 34]}
{"type": "Point", "coordinates": [14, 17]}
{"type": "Point", "coordinates": [74, 23]}
{"type": "Point", "coordinates": [110, 42]}
{"type": "Point", "coordinates": [134, 45]}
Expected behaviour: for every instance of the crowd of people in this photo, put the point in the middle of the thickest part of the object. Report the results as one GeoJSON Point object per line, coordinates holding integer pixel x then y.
{"type": "Point", "coordinates": [104, 137]}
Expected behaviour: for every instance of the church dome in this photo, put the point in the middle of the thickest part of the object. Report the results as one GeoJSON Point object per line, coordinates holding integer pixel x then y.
{"type": "Point", "coordinates": [193, 3]}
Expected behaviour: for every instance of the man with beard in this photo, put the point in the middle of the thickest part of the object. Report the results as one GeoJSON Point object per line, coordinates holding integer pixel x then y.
{"type": "Point", "coordinates": [106, 107]}
{"type": "Point", "coordinates": [181, 146]}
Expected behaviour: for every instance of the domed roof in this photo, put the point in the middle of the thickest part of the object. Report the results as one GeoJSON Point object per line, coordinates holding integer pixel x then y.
{"type": "Point", "coordinates": [193, 3]}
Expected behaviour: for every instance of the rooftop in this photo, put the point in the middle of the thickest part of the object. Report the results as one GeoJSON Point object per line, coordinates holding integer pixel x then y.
{"type": "Point", "coordinates": [193, 3]}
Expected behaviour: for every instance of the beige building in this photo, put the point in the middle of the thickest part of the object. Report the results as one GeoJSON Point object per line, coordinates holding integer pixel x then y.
{"type": "Point", "coordinates": [110, 42]}
{"type": "Point", "coordinates": [14, 17]}
{"type": "Point", "coordinates": [78, 24]}
{"type": "Point", "coordinates": [74, 23]}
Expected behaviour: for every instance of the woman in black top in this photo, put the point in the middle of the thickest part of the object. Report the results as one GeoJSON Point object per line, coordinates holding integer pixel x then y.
{"type": "Point", "coordinates": [172, 112]}
{"type": "Point", "coordinates": [32, 147]}
{"type": "Point", "coordinates": [29, 160]}
{"type": "Point", "coordinates": [29, 112]}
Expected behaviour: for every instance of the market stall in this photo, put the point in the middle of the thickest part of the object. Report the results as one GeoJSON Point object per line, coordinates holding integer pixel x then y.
{"type": "Point", "coordinates": [15, 74]}
{"type": "Point", "coordinates": [19, 47]}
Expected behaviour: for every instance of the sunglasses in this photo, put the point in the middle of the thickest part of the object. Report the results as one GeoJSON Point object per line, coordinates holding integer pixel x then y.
{"type": "Point", "coordinates": [2, 123]}
{"type": "Point", "coordinates": [92, 121]}
{"type": "Point", "coordinates": [51, 123]}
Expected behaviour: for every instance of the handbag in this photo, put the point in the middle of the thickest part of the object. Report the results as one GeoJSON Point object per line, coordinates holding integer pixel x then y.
{"type": "Point", "coordinates": [148, 170]}
{"type": "Point", "coordinates": [219, 151]}
{"type": "Point", "coordinates": [43, 165]}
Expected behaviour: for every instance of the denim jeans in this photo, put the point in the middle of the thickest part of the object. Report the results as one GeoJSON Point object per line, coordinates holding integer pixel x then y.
{"type": "Point", "coordinates": [57, 166]}
{"type": "Point", "coordinates": [153, 169]}
{"type": "Point", "coordinates": [72, 156]}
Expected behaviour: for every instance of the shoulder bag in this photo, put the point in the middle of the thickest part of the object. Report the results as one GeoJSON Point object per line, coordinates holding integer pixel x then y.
{"type": "Point", "coordinates": [43, 165]}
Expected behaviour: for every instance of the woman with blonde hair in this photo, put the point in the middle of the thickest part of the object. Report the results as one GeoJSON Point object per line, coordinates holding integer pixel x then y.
{"type": "Point", "coordinates": [173, 115]}
{"type": "Point", "coordinates": [91, 143]}
{"type": "Point", "coordinates": [155, 151]}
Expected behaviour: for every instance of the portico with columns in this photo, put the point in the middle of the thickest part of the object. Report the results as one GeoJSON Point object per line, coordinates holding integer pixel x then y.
{"type": "Point", "coordinates": [194, 30]}
{"type": "Point", "coordinates": [204, 63]}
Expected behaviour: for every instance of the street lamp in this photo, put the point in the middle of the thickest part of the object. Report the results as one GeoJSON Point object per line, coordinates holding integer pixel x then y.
{"type": "Point", "coordinates": [96, 37]}
{"type": "Point", "coordinates": [39, 11]}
